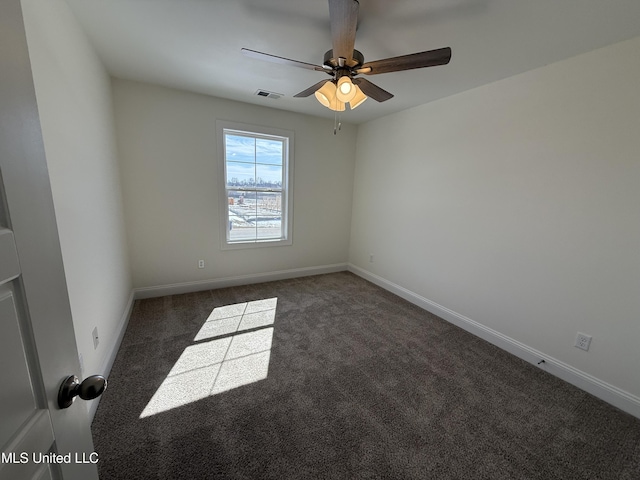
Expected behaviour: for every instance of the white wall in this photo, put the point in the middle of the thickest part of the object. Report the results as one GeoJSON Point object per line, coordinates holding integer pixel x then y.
{"type": "Point", "coordinates": [167, 147]}
{"type": "Point", "coordinates": [515, 205]}
{"type": "Point", "coordinates": [74, 101]}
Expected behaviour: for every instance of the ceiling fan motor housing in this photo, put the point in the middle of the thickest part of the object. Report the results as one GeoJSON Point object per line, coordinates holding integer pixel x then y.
{"type": "Point", "coordinates": [356, 61]}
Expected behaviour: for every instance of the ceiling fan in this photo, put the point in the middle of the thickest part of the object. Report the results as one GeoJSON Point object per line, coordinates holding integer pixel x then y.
{"type": "Point", "coordinates": [343, 63]}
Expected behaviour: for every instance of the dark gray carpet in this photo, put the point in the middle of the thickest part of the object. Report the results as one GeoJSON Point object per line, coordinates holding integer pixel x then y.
{"type": "Point", "coordinates": [361, 384]}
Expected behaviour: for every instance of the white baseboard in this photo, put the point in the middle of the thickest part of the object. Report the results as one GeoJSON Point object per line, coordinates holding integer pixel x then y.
{"type": "Point", "coordinates": [112, 351]}
{"type": "Point", "coordinates": [189, 287]}
{"type": "Point", "coordinates": [615, 396]}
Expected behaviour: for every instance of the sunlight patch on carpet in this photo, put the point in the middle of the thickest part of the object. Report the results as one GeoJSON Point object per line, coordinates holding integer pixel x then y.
{"type": "Point", "coordinates": [214, 366]}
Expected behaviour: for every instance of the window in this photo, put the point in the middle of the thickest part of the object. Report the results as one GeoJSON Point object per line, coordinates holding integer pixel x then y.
{"type": "Point", "coordinates": [256, 175]}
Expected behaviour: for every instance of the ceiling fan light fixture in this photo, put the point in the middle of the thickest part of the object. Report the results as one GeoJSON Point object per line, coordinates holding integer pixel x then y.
{"type": "Point", "coordinates": [326, 94]}
{"type": "Point", "coordinates": [357, 99]}
{"type": "Point", "coordinates": [345, 91]}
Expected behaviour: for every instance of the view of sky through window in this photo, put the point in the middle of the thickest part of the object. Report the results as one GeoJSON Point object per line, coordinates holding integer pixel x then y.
{"type": "Point", "coordinates": [253, 161]}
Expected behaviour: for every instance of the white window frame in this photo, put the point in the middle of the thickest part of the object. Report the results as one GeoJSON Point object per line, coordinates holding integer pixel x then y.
{"type": "Point", "coordinates": [256, 131]}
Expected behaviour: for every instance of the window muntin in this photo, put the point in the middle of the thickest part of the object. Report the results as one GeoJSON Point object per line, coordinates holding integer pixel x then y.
{"type": "Point", "coordinates": [257, 177]}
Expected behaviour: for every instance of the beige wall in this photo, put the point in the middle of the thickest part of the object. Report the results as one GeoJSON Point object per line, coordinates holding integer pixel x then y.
{"type": "Point", "coordinates": [74, 101]}
{"type": "Point", "coordinates": [168, 153]}
{"type": "Point", "coordinates": [515, 205]}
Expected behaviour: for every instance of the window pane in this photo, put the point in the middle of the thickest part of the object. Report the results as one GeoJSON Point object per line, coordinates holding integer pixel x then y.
{"type": "Point", "coordinates": [242, 216]}
{"type": "Point", "coordinates": [269, 176]}
{"type": "Point", "coordinates": [269, 151]}
{"type": "Point", "coordinates": [269, 216]}
{"type": "Point", "coordinates": [270, 203]}
{"type": "Point", "coordinates": [269, 229]}
{"type": "Point", "coordinates": [240, 174]}
{"type": "Point", "coordinates": [239, 148]}
{"type": "Point", "coordinates": [256, 174]}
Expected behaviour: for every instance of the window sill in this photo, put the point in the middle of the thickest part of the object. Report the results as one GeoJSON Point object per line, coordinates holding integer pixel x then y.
{"type": "Point", "coordinates": [259, 244]}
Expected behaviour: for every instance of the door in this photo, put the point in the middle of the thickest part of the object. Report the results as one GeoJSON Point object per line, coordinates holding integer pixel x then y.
{"type": "Point", "coordinates": [37, 342]}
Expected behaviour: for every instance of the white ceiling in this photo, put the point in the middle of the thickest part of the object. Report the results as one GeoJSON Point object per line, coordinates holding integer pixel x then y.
{"type": "Point", "coordinates": [195, 45]}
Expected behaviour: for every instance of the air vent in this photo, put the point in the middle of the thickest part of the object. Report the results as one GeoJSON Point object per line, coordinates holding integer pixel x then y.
{"type": "Point", "coordinates": [268, 94]}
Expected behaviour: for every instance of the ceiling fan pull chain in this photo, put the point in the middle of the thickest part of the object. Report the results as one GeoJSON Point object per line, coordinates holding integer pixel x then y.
{"type": "Point", "coordinates": [335, 122]}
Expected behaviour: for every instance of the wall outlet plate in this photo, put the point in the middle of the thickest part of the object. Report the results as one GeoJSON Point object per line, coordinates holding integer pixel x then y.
{"type": "Point", "coordinates": [583, 341]}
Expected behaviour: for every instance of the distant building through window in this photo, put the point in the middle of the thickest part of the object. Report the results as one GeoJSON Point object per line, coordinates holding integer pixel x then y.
{"type": "Point", "coordinates": [256, 170]}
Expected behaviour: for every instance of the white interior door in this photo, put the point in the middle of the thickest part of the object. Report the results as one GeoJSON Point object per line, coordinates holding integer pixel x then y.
{"type": "Point", "coordinates": [37, 342]}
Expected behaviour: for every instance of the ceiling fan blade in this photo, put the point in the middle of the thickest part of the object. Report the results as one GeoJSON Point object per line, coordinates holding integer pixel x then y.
{"type": "Point", "coordinates": [431, 58]}
{"type": "Point", "coordinates": [311, 89]}
{"type": "Point", "coordinates": [343, 15]}
{"type": "Point", "coordinates": [281, 60]}
{"type": "Point", "coordinates": [372, 90]}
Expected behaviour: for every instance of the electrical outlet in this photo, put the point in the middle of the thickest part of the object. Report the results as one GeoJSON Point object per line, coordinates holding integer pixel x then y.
{"type": "Point", "coordinates": [583, 341]}
{"type": "Point", "coordinates": [371, 258]}
{"type": "Point", "coordinates": [200, 263]}
{"type": "Point", "coordinates": [96, 340]}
